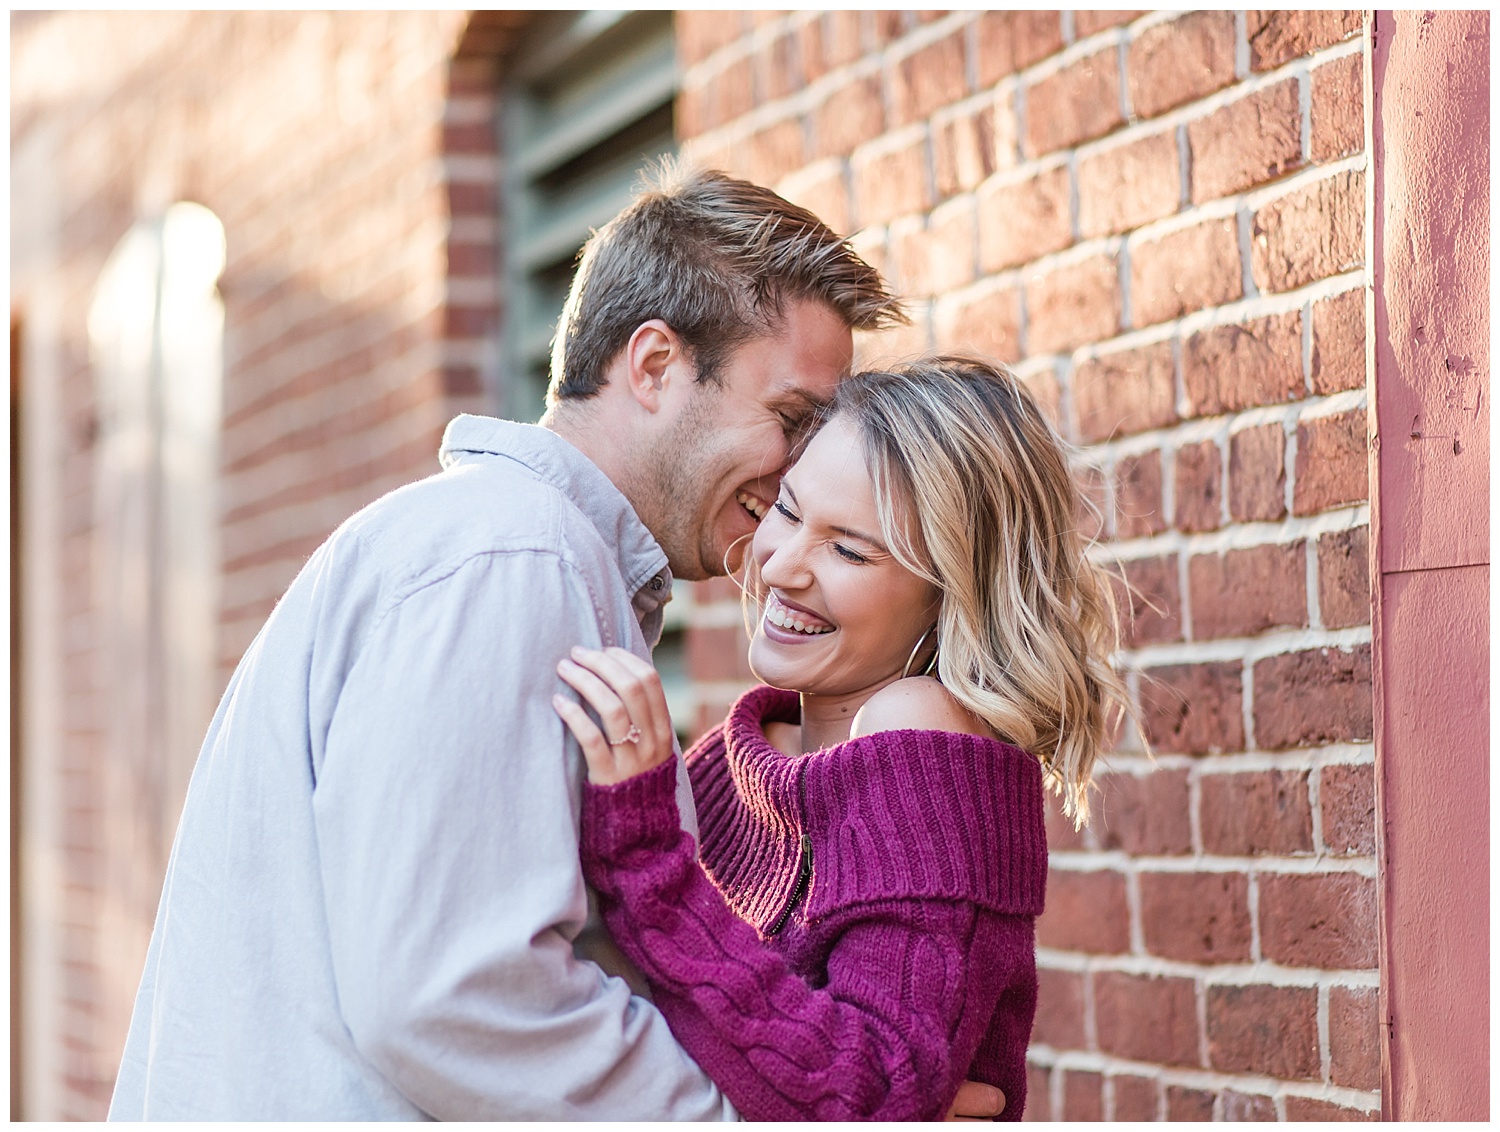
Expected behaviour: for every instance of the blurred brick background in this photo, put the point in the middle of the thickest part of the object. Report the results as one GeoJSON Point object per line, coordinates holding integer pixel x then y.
{"type": "Point", "coordinates": [1158, 218]}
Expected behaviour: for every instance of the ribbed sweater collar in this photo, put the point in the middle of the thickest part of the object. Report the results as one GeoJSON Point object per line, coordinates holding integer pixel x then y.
{"type": "Point", "coordinates": [895, 815]}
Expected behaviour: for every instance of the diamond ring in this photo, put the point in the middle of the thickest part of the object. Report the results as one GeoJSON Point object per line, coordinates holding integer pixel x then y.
{"type": "Point", "coordinates": [631, 736]}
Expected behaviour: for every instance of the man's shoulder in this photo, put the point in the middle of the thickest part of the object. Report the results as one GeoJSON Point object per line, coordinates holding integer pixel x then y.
{"type": "Point", "coordinates": [484, 507]}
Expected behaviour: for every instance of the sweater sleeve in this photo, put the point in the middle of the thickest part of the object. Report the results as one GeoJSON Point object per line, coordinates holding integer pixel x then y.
{"type": "Point", "coordinates": [911, 984]}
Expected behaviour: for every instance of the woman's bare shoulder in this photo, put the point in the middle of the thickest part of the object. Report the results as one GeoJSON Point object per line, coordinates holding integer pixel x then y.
{"type": "Point", "coordinates": [918, 703]}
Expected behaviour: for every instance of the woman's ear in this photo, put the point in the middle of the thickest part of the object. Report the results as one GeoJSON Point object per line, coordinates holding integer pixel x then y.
{"type": "Point", "coordinates": [654, 357]}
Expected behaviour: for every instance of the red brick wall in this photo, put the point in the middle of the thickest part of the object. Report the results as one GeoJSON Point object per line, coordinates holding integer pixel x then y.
{"type": "Point", "coordinates": [351, 159]}
{"type": "Point", "coordinates": [1159, 220]}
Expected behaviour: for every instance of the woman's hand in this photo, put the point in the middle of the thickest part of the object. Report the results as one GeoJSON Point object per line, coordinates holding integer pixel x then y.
{"type": "Point", "coordinates": [626, 693]}
{"type": "Point", "coordinates": [976, 1101]}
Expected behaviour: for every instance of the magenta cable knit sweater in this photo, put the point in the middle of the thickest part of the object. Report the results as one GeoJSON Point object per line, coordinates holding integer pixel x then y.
{"type": "Point", "coordinates": [859, 937]}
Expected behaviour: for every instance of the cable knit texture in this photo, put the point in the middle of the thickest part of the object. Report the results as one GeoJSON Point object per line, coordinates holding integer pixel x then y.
{"type": "Point", "coordinates": [871, 987]}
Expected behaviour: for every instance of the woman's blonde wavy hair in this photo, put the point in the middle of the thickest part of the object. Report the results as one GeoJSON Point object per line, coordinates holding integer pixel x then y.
{"type": "Point", "coordinates": [975, 495]}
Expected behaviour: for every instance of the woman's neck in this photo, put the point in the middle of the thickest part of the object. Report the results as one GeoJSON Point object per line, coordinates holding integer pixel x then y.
{"type": "Point", "coordinates": [827, 720]}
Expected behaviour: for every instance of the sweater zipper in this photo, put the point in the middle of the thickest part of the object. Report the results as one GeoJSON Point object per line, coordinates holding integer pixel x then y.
{"type": "Point", "coordinates": [804, 874]}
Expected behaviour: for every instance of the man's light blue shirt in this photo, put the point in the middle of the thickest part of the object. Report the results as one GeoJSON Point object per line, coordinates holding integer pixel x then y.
{"type": "Point", "coordinates": [374, 908]}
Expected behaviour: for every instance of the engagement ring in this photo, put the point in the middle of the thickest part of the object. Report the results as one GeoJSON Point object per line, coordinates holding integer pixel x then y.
{"type": "Point", "coordinates": [629, 737]}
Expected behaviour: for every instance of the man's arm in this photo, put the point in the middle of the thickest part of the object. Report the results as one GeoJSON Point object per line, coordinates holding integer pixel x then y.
{"type": "Point", "coordinates": [446, 811]}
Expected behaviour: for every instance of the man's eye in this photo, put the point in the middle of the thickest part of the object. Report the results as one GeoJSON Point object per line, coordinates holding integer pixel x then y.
{"type": "Point", "coordinates": [786, 511]}
{"type": "Point", "coordinates": [849, 555]}
{"type": "Point", "coordinates": [792, 425]}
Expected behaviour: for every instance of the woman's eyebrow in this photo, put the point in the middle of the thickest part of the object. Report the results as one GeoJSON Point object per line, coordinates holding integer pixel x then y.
{"type": "Point", "coordinates": [861, 536]}
{"type": "Point", "coordinates": [847, 532]}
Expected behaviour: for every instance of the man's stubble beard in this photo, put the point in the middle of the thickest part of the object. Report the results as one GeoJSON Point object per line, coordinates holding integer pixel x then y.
{"type": "Point", "coordinates": [677, 486]}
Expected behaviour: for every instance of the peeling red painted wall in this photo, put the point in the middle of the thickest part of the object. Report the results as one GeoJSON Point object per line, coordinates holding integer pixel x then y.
{"type": "Point", "coordinates": [1430, 545]}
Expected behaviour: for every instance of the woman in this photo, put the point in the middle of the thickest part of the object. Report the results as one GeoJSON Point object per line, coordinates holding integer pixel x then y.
{"type": "Point", "coordinates": [859, 935]}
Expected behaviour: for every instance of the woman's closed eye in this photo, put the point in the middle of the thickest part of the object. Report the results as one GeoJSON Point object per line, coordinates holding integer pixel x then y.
{"type": "Point", "coordinates": [850, 556]}
{"type": "Point", "coordinates": [786, 512]}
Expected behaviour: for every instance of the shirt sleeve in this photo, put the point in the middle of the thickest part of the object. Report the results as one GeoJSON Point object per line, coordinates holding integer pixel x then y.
{"type": "Point", "coordinates": [910, 991]}
{"type": "Point", "coordinates": [446, 810]}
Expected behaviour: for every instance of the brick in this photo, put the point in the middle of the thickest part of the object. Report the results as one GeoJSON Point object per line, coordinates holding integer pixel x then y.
{"type": "Point", "coordinates": [1199, 499]}
{"type": "Point", "coordinates": [1266, 1030]}
{"type": "Point", "coordinates": [1193, 708]}
{"type": "Point", "coordinates": [1038, 1093]}
{"type": "Point", "coordinates": [1245, 591]}
{"type": "Point", "coordinates": [1060, 831]}
{"type": "Point", "coordinates": [1145, 815]}
{"type": "Point", "coordinates": [1149, 601]}
{"type": "Point", "coordinates": [840, 38]}
{"type": "Point", "coordinates": [1020, 220]}
{"type": "Point", "coordinates": [772, 153]}
{"type": "Point", "coordinates": [821, 190]}
{"type": "Point", "coordinates": [1196, 917]}
{"type": "Point", "coordinates": [1322, 920]}
{"type": "Point", "coordinates": [1354, 1037]}
{"type": "Point", "coordinates": [1338, 353]}
{"type": "Point", "coordinates": [1346, 797]}
{"type": "Point", "coordinates": [1257, 473]}
{"type": "Point", "coordinates": [1086, 23]}
{"type": "Point", "coordinates": [1046, 389]}
{"type": "Point", "coordinates": [1138, 510]}
{"type": "Point", "coordinates": [940, 257]}
{"type": "Point", "coordinates": [1184, 271]}
{"type": "Point", "coordinates": [1338, 109]}
{"type": "Point", "coordinates": [1309, 234]}
{"type": "Point", "coordinates": [1184, 1103]}
{"type": "Point", "coordinates": [1173, 63]}
{"type": "Point", "coordinates": [888, 25]}
{"type": "Point", "coordinates": [1125, 391]}
{"type": "Point", "coordinates": [1086, 911]}
{"type": "Point", "coordinates": [1128, 185]}
{"type": "Point", "coordinates": [1075, 104]}
{"type": "Point", "coordinates": [1310, 1108]}
{"type": "Point", "coordinates": [1083, 1095]}
{"type": "Point", "coordinates": [963, 150]}
{"type": "Point", "coordinates": [851, 115]}
{"type": "Point", "coordinates": [1279, 36]}
{"type": "Point", "coordinates": [1091, 511]}
{"type": "Point", "coordinates": [1241, 365]}
{"type": "Point", "coordinates": [813, 48]}
{"type": "Point", "coordinates": [1248, 1106]}
{"type": "Point", "coordinates": [1305, 699]}
{"type": "Point", "coordinates": [731, 93]}
{"type": "Point", "coordinates": [1332, 463]}
{"type": "Point", "coordinates": [1005, 42]}
{"type": "Point", "coordinates": [1257, 813]}
{"type": "Point", "coordinates": [891, 183]}
{"type": "Point", "coordinates": [1072, 305]}
{"type": "Point", "coordinates": [1146, 1017]}
{"type": "Point", "coordinates": [1249, 142]}
{"type": "Point", "coordinates": [928, 78]}
{"type": "Point", "coordinates": [1135, 1098]}
{"type": "Point", "coordinates": [781, 71]}
{"type": "Point", "coordinates": [1344, 578]}
{"type": "Point", "coordinates": [1059, 1009]}
{"type": "Point", "coordinates": [718, 653]}
{"type": "Point", "coordinates": [700, 33]}
{"type": "Point", "coordinates": [985, 318]}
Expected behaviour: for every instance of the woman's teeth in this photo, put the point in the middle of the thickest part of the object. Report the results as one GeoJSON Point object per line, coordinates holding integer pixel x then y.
{"type": "Point", "coordinates": [752, 505]}
{"type": "Point", "coordinates": [784, 618]}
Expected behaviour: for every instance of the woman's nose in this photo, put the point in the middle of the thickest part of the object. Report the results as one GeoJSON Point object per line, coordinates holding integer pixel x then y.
{"type": "Point", "coordinates": [786, 566]}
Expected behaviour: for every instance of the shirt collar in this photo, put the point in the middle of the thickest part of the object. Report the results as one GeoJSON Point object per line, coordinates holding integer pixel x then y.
{"type": "Point", "coordinates": [641, 560]}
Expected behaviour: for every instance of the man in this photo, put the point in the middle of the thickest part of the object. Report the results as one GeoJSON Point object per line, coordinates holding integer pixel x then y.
{"type": "Point", "coordinates": [374, 896]}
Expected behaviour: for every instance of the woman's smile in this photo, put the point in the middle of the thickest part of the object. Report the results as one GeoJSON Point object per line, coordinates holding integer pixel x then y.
{"type": "Point", "coordinates": [794, 622]}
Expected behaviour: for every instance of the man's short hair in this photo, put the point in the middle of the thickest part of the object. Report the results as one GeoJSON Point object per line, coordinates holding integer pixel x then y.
{"type": "Point", "coordinates": [716, 259]}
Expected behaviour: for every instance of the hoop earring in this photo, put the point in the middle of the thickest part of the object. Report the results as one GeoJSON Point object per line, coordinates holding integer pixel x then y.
{"type": "Point", "coordinates": [728, 573]}
{"type": "Point", "coordinates": [916, 648]}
